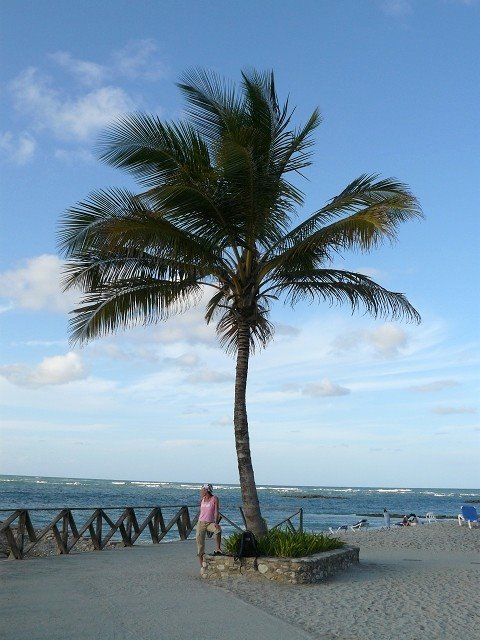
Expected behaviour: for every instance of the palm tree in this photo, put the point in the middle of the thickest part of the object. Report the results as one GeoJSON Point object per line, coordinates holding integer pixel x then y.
{"type": "Point", "coordinates": [215, 212]}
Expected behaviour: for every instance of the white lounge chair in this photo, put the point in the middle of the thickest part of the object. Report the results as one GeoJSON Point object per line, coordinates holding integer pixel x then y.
{"type": "Point", "coordinates": [353, 527]}
{"type": "Point", "coordinates": [430, 517]}
{"type": "Point", "coordinates": [344, 527]}
{"type": "Point", "coordinates": [359, 524]}
{"type": "Point", "coordinates": [469, 514]}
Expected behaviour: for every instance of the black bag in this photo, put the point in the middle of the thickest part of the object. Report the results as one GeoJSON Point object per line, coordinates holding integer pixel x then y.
{"type": "Point", "coordinates": [246, 546]}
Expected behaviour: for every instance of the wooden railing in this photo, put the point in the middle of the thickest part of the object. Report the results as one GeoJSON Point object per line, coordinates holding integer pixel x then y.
{"type": "Point", "coordinates": [287, 521]}
{"type": "Point", "coordinates": [289, 524]}
{"type": "Point", "coordinates": [22, 537]}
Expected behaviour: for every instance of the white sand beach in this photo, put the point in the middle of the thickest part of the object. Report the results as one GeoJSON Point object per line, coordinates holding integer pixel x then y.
{"type": "Point", "coordinates": [412, 582]}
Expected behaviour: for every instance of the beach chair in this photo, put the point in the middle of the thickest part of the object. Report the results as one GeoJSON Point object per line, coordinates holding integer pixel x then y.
{"type": "Point", "coordinates": [343, 527]}
{"type": "Point", "coordinates": [359, 524]}
{"type": "Point", "coordinates": [469, 514]}
{"type": "Point", "coordinates": [430, 517]}
{"type": "Point", "coordinates": [353, 527]}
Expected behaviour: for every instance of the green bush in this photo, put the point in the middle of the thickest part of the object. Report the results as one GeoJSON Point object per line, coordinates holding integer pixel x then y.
{"type": "Point", "coordinates": [278, 543]}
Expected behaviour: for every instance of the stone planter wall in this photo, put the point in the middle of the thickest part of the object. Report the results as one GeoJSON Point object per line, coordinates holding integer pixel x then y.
{"type": "Point", "coordinates": [286, 570]}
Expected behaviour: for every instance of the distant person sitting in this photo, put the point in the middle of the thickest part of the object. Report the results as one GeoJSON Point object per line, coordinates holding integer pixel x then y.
{"type": "Point", "coordinates": [412, 519]}
{"type": "Point", "coordinates": [405, 521]}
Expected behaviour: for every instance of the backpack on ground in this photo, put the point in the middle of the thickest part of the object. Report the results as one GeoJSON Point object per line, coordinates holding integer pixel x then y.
{"type": "Point", "coordinates": [246, 546]}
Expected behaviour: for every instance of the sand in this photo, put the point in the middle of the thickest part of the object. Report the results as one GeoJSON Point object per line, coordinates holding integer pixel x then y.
{"type": "Point", "coordinates": [413, 583]}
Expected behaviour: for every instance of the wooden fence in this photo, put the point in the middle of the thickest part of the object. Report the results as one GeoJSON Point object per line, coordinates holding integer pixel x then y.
{"type": "Point", "coordinates": [289, 524]}
{"type": "Point", "coordinates": [22, 537]}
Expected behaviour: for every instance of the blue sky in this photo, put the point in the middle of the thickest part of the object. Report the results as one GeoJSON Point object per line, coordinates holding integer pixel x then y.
{"type": "Point", "coordinates": [336, 399]}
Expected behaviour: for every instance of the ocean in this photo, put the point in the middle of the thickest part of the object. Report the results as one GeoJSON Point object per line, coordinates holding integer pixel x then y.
{"type": "Point", "coordinates": [323, 507]}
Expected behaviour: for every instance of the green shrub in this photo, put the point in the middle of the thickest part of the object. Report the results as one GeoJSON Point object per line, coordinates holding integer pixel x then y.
{"type": "Point", "coordinates": [278, 543]}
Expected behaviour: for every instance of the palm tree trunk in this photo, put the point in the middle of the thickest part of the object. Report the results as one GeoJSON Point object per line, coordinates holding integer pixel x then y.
{"type": "Point", "coordinates": [251, 505]}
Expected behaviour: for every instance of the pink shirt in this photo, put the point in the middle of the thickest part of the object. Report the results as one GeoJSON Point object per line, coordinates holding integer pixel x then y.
{"type": "Point", "coordinates": [207, 510]}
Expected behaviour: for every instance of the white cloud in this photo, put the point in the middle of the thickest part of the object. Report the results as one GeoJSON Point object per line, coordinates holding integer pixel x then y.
{"type": "Point", "coordinates": [89, 73]}
{"type": "Point", "coordinates": [286, 330]}
{"type": "Point", "coordinates": [90, 103]}
{"type": "Point", "coordinates": [42, 427]}
{"type": "Point", "coordinates": [189, 327]}
{"type": "Point", "coordinates": [137, 60]}
{"type": "Point", "coordinates": [74, 156]}
{"type": "Point", "coordinates": [41, 343]}
{"type": "Point", "coordinates": [209, 376]}
{"type": "Point", "coordinates": [6, 307]}
{"type": "Point", "coordinates": [17, 149]}
{"type": "Point", "coordinates": [387, 340]}
{"type": "Point", "coordinates": [325, 389]}
{"type": "Point", "coordinates": [37, 285]}
{"type": "Point", "coordinates": [76, 118]}
{"type": "Point", "coordinates": [223, 421]}
{"type": "Point", "coordinates": [437, 385]}
{"type": "Point", "coordinates": [348, 341]}
{"type": "Point", "coordinates": [114, 350]}
{"type": "Point", "coordinates": [444, 410]}
{"type": "Point", "coordinates": [194, 411]}
{"type": "Point", "coordinates": [290, 387]}
{"type": "Point", "coordinates": [185, 361]}
{"type": "Point", "coordinates": [87, 114]}
{"type": "Point", "coordinates": [55, 370]}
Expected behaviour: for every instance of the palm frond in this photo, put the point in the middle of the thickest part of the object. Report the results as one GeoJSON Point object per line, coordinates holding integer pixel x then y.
{"type": "Point", "coordinates": [83, 223]}
{"type": "Point", "coordinates": [153, 151]}
{"type": "Point", "coordinates": [375, 208]}
{"type": "Point", "coordinates": [213, 105]}
{"type": "Point", "coordinates": [261, 330]}
{"type": "Point", "coordinates": [336, 286]}
{"type": "Point", "coordinates": [293, 150]}
{"type": "Point", "coordinates": [125, 304]}
{"type": "Point", "coordinates": [117, 221]}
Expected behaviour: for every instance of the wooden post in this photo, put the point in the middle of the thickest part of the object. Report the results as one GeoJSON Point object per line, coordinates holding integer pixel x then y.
{"type": "Point", "coordinates": [129, 526]}
{"type": "Point", "coordinates": [58, 539]}
{"type": "Point", "coordinates": [29, 526]}
{"type": "Point", "coordinates": [73, 529]}
{"type": "Point", "coordinates": [186, 521]}
{"type": "Point", "coordinates": [98, 527]}
{"type": "Point", "coordinates": [155, 526]}
{"type": "Point", "coordinates": [93, 530]}
{"type": "Point", "coordinates": [65, 529]}
{"type": "Point", "coordinates": [21, 531]}
{"type": "Point", "coordinates": [161, 520]}
{"type": "Point", "coordinates": [181, 525]}
{"type": "Point", "coordinates": [15, 551]}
